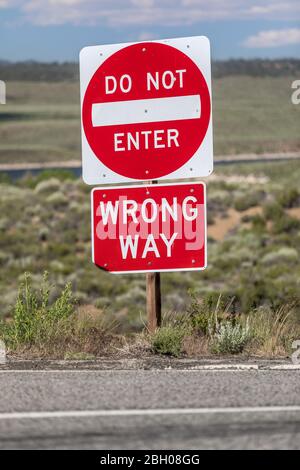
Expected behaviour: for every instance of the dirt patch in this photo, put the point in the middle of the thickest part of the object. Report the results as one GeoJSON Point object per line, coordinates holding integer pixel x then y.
{"type": "Point", "coordinates": [249, 179]}
{"type": "Point", "coordinates": [223, 225]}
{"type": "Point", "coordinates": [294, 212]}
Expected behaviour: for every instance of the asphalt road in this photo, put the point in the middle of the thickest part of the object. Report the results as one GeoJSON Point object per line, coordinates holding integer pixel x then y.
{"type": "Point", "coordinates": [17, 170]}
{"type": "Point", "coordinates": [155, 409]}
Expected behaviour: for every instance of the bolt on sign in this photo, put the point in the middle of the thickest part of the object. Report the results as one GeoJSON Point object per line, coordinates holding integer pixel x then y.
{"type": "Point", "coordinates": [146, 111]}
{"type": "Point", "coordinates": [149, 228]}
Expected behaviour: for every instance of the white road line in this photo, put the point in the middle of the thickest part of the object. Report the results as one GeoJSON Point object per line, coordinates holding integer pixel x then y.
{"type": "Point", "coordinates": [196, 368]}
{"type": "Point", "coordinates": [143, 412]}
{"type": "Point", "coordinates": [148, 110]}
{"type": "Point", "coordinates": [225, 367]}
{"type": "Point", "coordinates": [285, 367]}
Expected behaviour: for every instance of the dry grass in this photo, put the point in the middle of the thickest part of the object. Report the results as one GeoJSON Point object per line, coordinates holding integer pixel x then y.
{"type": "Point", "coordinates": [274, 332]}
{"type": "Point", "coordinates": [195, 345]}
{"type": "Point", "coordinates": [135, 346]}
{"type": "Point", "coordinates": [79, 338]}
{"type": "Point", "coordinates": [56, 329]}
{"type": "Point", "coordinates": [212, 329]}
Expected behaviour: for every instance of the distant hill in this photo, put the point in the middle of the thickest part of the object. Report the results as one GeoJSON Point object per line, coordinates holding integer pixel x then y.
{"type": "Point", "coordinates": [68, 71]}
{"type": "Point", "coordinates": [257, 68]}
{"type": "Point", "coordinates": [39, 71]}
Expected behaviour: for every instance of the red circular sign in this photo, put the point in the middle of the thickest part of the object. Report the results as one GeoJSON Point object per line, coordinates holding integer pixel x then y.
{"type": "Point", "coordinates": [151, 149]}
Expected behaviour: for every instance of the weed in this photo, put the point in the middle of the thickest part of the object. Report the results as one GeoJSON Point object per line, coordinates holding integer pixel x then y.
{"type": "Point", "coordinates": [168, 340]}
{"type": "Point", "coordinates": [273, 331]}
{"type": "Point", "coordinates": [285, 224]}
{"type": "Point", "coordinates": [230, 338]}
{"type": "Point", "coordinates": [35, 319]}
{"type": "Point", "coordinates": [273, 211]}
{"type": "Point", "coordinates": [289, 197]}
{"type": "Point", "coordinates": [205, 314]}
{"type": "Point", "coordinates": [246, 201]}
{"type": "Point", "coordinates": [283, 255]}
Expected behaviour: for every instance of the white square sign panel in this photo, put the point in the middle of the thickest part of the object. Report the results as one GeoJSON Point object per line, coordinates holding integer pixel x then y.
{"type": "Point", "coordinates": [146, 111]}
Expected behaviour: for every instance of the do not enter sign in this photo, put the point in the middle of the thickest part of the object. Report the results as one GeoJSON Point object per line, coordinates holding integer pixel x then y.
{"type": "Point", "coordinates": [149, 228]}
{"type": "Point", "coordinates": [146, 111]}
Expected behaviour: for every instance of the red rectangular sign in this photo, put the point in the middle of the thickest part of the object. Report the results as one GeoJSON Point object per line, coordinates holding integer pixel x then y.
{"type": "Point", "coordinates": [149, 228]}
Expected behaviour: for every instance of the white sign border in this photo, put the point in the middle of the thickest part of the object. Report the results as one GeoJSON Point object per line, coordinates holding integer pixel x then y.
{"type": "Point", "coordinates": [149, 186]}
{"type": "Point", "coordinates": [94, 172]}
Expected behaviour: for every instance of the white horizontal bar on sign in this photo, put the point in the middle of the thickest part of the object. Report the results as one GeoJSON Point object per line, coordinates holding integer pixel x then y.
{"type": "Point", "coordinates": [149, 110]}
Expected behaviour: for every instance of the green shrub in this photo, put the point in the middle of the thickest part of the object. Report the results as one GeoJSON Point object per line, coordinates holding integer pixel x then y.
{"type": "Point", "coordinates": [285, 224]}
{"type": "Point", "coordinates": [168, 340]}
{"type": "Point", "coordinates": [231, 338]}
{"type": "Point", "coordinates": [206, 313]}
{"type": "Point", "coordinates": [35, 318]}
{"type": "Point", "coordinates": [57, 199]}
{"type": "Point", "coordinates": [201, 312]}
{"type": "Point", "coordinates": [258, 223]}
{"type": "Point", "coordinates": [248, 200]}
{"type": "Point", "coordinates": [31, 181]}
{"type": "Point", "coordinates": [48, 186]}
{"type": "Point", "coordinates": [213, 318]}
{"type": "Point", "coordinates": [5, 178]}
{"type": "Point", "coordinates": [289, 197]}
{"type": "Point", "coordinates": [273, 211]}
{"type": "Point", "coordinates": [283, 255]}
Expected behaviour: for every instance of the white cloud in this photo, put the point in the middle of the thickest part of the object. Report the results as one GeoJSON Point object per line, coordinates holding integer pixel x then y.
{"type": "Point", "coordinates": [12, 4]}
{"type": "Point", "coordinates": [143, 3]}
{"type": "Point", "coordinates": [146, 36]}
{"type": "Point", "coordinates": [6, 3]}
{"type": "Point", "coordinates": [274, 38]}
{"type": "Point", "coordinates": [152, 12]}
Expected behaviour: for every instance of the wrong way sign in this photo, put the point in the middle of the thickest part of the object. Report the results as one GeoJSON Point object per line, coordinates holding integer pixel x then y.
{"type": "Point", "coordinates": [146, 111]}
{"type": "Point", "coordinates": [149, 228]}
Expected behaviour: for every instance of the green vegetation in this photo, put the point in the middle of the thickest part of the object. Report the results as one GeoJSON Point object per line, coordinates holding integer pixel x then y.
{"type": "Point", "coordinates": [41, 120]}
{"type": "Point", "coordinates": [230, 338]}
{"type": "Point", "coordinates": [68, 71]}
{"type": "Point", "coordinates": [213, 329]}
{"type": "Point", "coordinates": [47, 325]}
{"type": "Point", "coordinates": [168, 340]}
{"type": "Point", "coordinates": [45, 226]}
{"type": "Point", "coordinates": [53, 328]}
{"type": "Point", "coordinates": [249, 294]}
{"type": "Point", "coordinates": [34, 318]}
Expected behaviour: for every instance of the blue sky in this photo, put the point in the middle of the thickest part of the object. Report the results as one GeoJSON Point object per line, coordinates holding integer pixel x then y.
{"type": "Point", "coordinates": [51, 30]}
